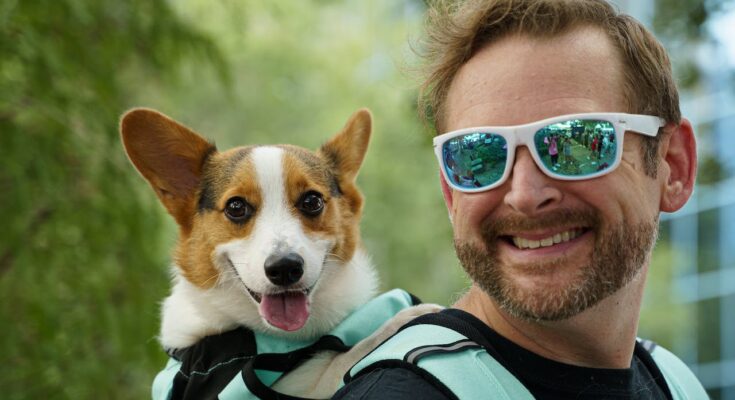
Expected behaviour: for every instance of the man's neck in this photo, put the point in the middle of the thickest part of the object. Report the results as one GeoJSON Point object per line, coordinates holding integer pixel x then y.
{"type": "Point", "coordinates": [602, 336]}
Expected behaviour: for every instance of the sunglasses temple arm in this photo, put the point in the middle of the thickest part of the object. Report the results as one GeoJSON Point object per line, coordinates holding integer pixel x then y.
{"type": "Point", "coordinates": [644, 124]}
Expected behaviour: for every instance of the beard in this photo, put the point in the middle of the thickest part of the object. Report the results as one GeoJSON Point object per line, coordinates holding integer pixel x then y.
{"type": "Point", "coordinates": [619, 253]}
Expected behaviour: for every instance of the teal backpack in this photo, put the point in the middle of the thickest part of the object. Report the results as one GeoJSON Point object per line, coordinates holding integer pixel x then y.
{"type": "Point", "coordinates": [465, 368]}
{"type": "Point", "coordinates": [241, 364]}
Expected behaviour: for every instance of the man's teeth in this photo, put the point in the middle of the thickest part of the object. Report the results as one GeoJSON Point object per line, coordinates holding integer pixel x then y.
{"type": "Point", "coordinates": [565, 236]}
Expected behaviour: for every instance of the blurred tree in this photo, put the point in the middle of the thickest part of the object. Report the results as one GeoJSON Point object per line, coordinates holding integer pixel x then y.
{"type": "Point", "coordinates": [711, 170]}
{"type": "Point", "coordinates": [661, 311]}
{"type": "Point", "coordinates": [682, 26]}
{"type": "Point", "coordinates": [78, 260]}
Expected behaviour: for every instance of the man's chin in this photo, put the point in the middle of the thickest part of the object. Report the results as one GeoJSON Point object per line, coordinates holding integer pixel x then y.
{"type": "Point", "coordinates": [546, 307]}
{"type": "Point", "coordinates": [530, 301]}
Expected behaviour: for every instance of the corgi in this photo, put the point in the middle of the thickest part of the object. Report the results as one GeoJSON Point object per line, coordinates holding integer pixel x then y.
{"type": "Point", "coordinates": [268, 236]}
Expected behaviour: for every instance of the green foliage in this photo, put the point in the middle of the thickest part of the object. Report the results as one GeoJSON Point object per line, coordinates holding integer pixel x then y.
{"type": "Point", "coordinates": [84, 252]}
{"type": "Point", "coordinates": [710, 170]}
{"type": "Point", "coordinates": [663, 316]}
{"type": "Point", "coordinates": [686, 19]}
{"type": "Point", "coordinates": [681, 24]}
{"type": "Point", "coordinates": [80, 267]}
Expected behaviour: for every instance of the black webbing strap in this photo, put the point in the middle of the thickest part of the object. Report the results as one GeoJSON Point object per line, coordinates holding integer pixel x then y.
{"type": "Point", "coordinates": [649, 345]}
{"type": "Point", "coordinates": [209, 365]}
{"type": "Point", "coordinates": [284, 362]}
{"type": "Point", "coordinates": [414, 300]}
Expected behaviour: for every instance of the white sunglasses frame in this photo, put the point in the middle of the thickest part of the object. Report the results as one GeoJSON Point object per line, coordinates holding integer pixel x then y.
{"type": "Point", "coordinates": [522, 135]}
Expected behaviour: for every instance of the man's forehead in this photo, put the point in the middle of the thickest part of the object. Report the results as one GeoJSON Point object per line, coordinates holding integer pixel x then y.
{"type": "Point", "coordinates": [519, 79]}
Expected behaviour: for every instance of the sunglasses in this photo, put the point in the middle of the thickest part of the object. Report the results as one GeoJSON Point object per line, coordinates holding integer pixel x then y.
{"type": "Point", "coordinates": [569, 147]}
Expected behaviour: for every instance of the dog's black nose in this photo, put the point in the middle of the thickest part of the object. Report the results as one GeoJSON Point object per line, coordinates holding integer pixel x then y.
{"type": "Point", "coordinates": [284, 269]}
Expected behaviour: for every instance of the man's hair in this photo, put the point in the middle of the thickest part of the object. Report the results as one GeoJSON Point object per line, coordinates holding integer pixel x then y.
{"type": "Point", "coordinates": [457, 29]}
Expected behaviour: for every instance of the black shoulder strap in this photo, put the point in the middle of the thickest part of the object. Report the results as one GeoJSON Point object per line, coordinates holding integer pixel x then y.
{"type": "Point", "coordinates": [644, 354]}
{"type": "Point", "coordinates": [649, 345]}
{"type": "Point", "coordinates": [450, 319]}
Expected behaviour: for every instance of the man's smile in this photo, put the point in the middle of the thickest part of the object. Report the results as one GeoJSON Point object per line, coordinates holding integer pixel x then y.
{"type": "Point", "coordinates": [523, 243]}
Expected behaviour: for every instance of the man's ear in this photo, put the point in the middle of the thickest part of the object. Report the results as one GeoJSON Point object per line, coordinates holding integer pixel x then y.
{"type": "Point", "coordinates": [447, 192]}
{"type": "Point", "coordinates": [679, 150]}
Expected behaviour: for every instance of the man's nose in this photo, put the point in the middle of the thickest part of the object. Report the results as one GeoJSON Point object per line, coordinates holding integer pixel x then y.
{"type": "Point", "coordinates": [531, 192]}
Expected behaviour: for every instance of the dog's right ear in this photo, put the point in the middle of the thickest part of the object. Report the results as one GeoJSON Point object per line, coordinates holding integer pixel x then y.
{"type": "Point", "coordinates": [346, 150]}
{"type": "Point", "coordinates": [169, 156]}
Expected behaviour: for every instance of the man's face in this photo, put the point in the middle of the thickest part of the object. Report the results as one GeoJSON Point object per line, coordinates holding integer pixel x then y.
{"type": "Point", "coordinates": [546, 249]}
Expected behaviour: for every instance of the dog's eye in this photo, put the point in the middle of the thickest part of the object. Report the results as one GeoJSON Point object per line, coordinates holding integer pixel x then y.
{"type": "Point", "coordinates": [238, 210]}
{"type": "Point", "coordinates": [311, 204]}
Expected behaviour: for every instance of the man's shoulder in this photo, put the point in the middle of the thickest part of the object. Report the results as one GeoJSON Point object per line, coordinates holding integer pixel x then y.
{"type": "Point", "coordinates": [432, 354]}
{"type": "Point", "coordinates": [387, 372]}
{"type": "Point", "coordinates": [391, 383]}
{"type": "Point", "coordinates": [428, 358]}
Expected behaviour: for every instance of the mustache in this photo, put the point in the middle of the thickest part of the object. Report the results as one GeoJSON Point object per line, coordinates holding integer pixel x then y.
{"type": "Point", "coordinates": [492, 228]}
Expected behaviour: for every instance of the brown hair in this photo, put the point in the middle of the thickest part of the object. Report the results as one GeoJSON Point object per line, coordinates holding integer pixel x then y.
{"type": "Point", "coordinates": [456, 30]}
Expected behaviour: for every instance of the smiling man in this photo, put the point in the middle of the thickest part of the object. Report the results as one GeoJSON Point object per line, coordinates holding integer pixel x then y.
{"type": "Point", "coordinates": [558, 252]}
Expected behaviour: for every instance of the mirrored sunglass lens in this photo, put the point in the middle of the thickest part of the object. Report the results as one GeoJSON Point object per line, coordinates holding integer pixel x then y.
{"type": "Point", "coordinates": [578, 147]}
{"type": "Point", "coordinates": [475, 160]}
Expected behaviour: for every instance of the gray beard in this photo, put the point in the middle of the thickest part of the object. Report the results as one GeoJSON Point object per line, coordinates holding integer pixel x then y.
{"type": "Point", "coordinates": [619, 253]}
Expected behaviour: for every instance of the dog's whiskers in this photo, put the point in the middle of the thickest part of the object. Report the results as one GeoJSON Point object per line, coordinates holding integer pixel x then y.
{"type": "Point", "coordinates": [213, 276]}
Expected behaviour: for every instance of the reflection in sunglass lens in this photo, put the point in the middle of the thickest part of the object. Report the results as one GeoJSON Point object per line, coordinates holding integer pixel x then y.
{"type": "Point", "coordinates": [578, 147]}
{"type": "Point", "coordinates": [475, 160]}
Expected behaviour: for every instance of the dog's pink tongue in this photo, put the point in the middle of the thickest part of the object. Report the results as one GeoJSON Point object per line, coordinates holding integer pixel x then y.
{"type": "Point", "coordinates": [288, 311]}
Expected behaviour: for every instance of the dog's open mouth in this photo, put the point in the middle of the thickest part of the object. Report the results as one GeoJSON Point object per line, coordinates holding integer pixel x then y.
{"type": "Point", "coordinates": [287, 310]}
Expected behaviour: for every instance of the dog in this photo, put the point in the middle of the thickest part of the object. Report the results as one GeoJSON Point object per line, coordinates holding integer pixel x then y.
{"type": "Point", "coordinates": [268, 239]}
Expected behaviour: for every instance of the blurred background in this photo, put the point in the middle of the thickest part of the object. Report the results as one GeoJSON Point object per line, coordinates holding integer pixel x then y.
{"type": "Point", "coordinates": [84, 244]}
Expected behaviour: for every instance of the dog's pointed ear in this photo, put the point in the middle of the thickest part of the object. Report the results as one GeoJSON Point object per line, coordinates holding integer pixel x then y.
{"type": "Point", "coordinates": [170, 157]}
{"type": "Point", "coordinates": [346, 150]}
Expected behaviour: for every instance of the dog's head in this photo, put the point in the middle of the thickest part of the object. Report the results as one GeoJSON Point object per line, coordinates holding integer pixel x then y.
{"type": "Point", "coordinates": [267, 219]}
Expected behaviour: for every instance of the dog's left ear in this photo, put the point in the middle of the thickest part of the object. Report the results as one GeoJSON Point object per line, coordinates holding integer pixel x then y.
{"type": "Point", "coordinates": [347, 149]}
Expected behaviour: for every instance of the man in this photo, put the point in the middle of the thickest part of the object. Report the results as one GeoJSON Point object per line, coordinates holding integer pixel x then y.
{"type": "Point", "coordinates": [558, 262]}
